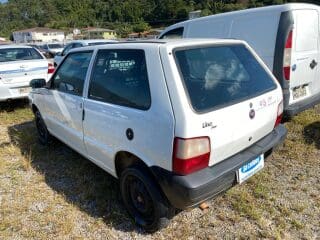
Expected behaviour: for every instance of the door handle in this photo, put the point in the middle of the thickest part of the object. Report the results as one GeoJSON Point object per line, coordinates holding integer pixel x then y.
{"type": "Point", "coordinates": [313, 64]}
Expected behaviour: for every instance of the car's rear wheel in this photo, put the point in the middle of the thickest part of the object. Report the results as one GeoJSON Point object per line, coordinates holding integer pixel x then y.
{"type": "Point", "coordinates": [43, 133]}
{"type": "Point", "coordinates": [144, 200]}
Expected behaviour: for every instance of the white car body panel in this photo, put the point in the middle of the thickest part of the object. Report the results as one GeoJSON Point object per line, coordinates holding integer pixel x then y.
{"type": "Point", "coordinates": [152, 128]}
{"type": "Point", "coordinates": [305, 49]}
{"type": "Point", "coordinates": [102, 134]}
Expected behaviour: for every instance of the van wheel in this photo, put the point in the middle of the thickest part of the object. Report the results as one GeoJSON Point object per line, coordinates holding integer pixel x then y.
{"type": "Point", "coordinates": [144, 200]}
{"type": "Point", "coordinates": [43, 133]}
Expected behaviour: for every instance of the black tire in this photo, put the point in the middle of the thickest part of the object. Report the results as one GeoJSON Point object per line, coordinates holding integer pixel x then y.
{"type": "Point", "coordinates": [43, 133]}
{"type": "Point", "coordinates": [144, 200]}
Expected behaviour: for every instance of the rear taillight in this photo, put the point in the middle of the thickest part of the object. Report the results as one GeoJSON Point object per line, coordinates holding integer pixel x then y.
{"type": "Point", "coordinates": [50, 68]}
{"type": "Point", "coordinates": [287, 57]}
{"type": "Point", "coordinates": [279, 114]}
{"type": "Point", "coordinates": [190, 155]}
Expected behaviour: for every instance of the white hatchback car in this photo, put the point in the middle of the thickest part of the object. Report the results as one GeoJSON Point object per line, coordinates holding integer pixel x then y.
{"type": "Point", "coordinates": [18, 66]}
{"type": "Point", "coordinates": [177, 122]}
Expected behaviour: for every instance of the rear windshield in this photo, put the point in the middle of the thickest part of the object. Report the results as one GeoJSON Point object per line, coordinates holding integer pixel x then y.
{"type": "Point", "coordinates": [55, 45]}
{"type": "Point", "coordinates": [218, 76]}
{"type": "Point", "coordinates": [18, 54]}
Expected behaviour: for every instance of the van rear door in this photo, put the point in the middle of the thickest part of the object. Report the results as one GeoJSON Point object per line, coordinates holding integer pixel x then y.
{"type": "Point", "coordinates": [305, 55]}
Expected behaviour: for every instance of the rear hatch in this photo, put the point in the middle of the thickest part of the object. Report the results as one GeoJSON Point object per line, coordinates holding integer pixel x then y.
{"type": "Point", "coordinates": [19, 65]}
{"type": "Point", "coordinates": [233, 98]}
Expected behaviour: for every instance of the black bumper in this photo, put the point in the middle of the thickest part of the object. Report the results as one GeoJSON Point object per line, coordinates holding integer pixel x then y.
{"type": "Point", "coordinates": [188, 191]}
{"type": "Point", "coordinates": [300, 106]}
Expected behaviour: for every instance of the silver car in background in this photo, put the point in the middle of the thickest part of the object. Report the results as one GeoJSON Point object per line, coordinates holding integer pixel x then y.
{"type": "Point", "coordinates": [18, 66]}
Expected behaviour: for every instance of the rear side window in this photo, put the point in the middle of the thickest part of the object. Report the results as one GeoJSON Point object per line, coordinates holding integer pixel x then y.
{"type": "Point", "coordinates": [120, 77]}
{"type": "Point", "coordinates": [18, 54]}
{"type": "Point", "coordinates": [173, 34]}
{"type": "Point", "coordinates": [215, 77]}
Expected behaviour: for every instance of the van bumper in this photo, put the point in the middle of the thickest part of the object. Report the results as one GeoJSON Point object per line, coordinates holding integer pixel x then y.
{"type": "Point", "coordinates": [188, 191]}
{"type": "Point", "coordinates": [300, 106]}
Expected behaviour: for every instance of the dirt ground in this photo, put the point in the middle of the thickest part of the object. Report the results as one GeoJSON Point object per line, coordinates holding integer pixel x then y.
{"type": "Point", "coordinates": [54, 193]}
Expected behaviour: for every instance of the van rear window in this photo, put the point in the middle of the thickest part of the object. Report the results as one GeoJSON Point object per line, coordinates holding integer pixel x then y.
{"type": "Point", "coordinates": [219, 76]}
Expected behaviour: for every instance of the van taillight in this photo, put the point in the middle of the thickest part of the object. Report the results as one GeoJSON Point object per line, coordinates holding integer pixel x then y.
{"type": "Point", "coordinates": [50, 68]}
{"type": "Point", "coordinates": [190, 155]}
{"type": "Point", "coordinates": [279, 114]}
{"type": "Point", "coordinates": [287, 57]}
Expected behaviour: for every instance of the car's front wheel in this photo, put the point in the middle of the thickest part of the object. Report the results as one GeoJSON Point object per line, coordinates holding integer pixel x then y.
{"type": "Point", "coordinates": [43, 133]}
{"type": "Point", "coordinates": [144, 200]}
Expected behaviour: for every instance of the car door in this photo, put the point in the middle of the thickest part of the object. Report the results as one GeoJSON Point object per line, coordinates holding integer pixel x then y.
{"type": "Point", "coordinates": [117, 102]}
{"type": "Point", "coordinates": [305, 58]}
{"type": "Point", "coordinates": [64, 100]}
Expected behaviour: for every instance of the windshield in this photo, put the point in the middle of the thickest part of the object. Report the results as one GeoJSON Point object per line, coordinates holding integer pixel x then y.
{"type": "Point", "coordinates": [55, 45]}
{"type": "Point", "coordinates": [18, 54]}
{"type": "Point", "coordinates": [223, 75]}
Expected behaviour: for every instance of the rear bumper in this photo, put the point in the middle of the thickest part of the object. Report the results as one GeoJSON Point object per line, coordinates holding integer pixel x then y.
{"type": "Point", "coordinates": [11, 91]}
{"type": "Point", "coordinates": [188, 191]}
{"type": "Point", "coordinates": [298, 107]}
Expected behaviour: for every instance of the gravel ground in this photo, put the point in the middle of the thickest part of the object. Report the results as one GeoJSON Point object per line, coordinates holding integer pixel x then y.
{"type": "Point", "coordinates": [53, 193]}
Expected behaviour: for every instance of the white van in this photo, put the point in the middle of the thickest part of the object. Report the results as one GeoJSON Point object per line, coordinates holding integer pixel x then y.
{"type": "Point", "coordinates": [286, 37]}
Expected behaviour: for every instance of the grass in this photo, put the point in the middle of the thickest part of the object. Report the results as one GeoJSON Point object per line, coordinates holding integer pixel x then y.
{"type": "Point", "coordinates": [54, 193]}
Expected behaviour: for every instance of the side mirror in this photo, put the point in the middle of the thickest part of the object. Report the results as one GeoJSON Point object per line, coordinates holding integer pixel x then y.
{"type": "Point", "coordinates": [59, 54]}
{"type": "Point", "coordinates": [38, 83]}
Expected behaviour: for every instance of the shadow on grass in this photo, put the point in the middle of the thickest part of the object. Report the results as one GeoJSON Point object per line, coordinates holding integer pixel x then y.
{"type": "Point", "coordinates": [81, 182]}
{"type": "Point", "coordinates": [311, 134]}
{"type": "Point", "coordinates": [10, 106]}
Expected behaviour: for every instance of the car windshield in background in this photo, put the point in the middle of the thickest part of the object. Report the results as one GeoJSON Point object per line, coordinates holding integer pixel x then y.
{"type": "Point", "coordinates": [55, 45]}
{"type": "Point", "coordinates": [97, 43]}
{"type": "Point", "coordinates": [18, 54]}
{"type": "Point", "coordinates": [215, 77]}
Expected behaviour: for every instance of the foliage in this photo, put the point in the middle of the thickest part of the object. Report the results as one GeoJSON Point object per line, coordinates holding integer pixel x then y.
{"type": "Point", "coordinates": [124, 16]}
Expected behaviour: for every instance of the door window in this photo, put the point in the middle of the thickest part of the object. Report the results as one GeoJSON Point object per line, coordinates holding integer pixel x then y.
{"type": "Point", "coordinates": [173, 34]}
{"type": "Point", "coordinates": [120, 77]}
{"type": "Point", "coordinates": [71, 75]}
{"type": "Point", "coordinates": [76, 45]}
{"type": "Point", "coordinates": [67, 49]}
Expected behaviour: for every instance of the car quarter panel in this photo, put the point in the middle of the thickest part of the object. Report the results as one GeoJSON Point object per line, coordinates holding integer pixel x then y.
{"type": "Point", "coordinates": [107, 125]}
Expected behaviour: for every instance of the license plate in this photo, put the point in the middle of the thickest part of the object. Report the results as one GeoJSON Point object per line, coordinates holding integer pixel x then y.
{"type": "Point", "coordinates": [299, 92]}
{"type": "Point", "coordinates": [250, 168]}
{"type": "Point", "coordinates": [24, 90]}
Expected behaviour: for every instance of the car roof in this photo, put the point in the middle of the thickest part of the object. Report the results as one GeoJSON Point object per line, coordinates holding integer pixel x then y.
{"type": "Point", "coordinates": [14, 46]}
{"type": "Point", "coordinates": [160, 42]}
{"type": "Point", "coordinates": [87, 41]}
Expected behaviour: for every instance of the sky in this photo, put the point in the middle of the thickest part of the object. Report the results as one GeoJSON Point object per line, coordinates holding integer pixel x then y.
{"type": "Point", "coordinates": [2, 1]}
